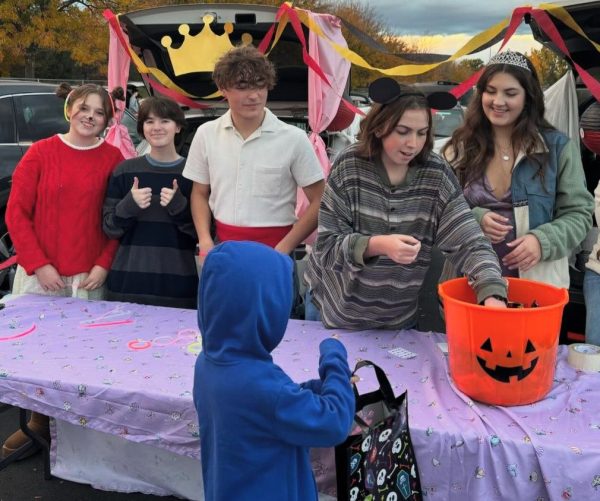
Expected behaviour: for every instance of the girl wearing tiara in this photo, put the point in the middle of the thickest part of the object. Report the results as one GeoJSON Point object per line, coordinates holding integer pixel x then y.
{"type": "Point", "coordinates": [387, 201]}
{"type": "Point", "coordinates": [54, 212]}
{"type": "Point", "coordinates": [522, 178]}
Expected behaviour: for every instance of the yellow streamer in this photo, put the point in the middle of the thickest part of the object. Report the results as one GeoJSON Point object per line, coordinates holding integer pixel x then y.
{"type": "Point", "coordinates": [283, 20]}
{"type": "Point", "coordinates": [161, 76]}
{"type": "Point", "coordinates": [403, 70]}
{"type": "Point", "coordinates": [565, 17]}
{"type": "Point", "coordinates": [407, 69]}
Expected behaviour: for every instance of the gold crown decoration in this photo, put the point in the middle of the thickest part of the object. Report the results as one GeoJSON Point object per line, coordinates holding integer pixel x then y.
{"type": "Point", "coordinates": [200, 52]}
{"type": "Point", "coordinates": [510, 57]}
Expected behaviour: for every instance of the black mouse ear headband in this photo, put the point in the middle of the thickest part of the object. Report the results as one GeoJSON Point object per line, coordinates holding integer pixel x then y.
{"type": "Point", "coordinates": [386, 90]}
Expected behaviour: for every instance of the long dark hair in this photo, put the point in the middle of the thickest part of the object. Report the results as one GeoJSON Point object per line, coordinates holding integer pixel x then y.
{"type": "Point", "coordinates": [382, 119]}
{"type": "Point", "coordinates": [472, 145]}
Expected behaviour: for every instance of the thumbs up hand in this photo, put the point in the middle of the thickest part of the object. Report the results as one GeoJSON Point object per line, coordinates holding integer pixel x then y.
{"type": "Point", "coordinates": [166, 194]}
{"type": "Point", "coordinates": [141, 196]}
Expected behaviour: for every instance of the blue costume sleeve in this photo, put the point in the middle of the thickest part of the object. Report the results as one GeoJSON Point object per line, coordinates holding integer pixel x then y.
{"type": "Point", "coordinates": [313, 385]}
{"type": "Point", "coordinates": [306, 418]}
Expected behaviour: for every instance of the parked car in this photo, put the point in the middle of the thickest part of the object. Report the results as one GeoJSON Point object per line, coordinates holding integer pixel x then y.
{"type": "Point", "coordinates": [28, 111]}
{"type": "Point", "coordinates": [444, 86]}
{"type": "Point", "coordinates": [288, 100]}
{"type": "Point", "coordinates": [129, 120]}
{"type": "Point", "coordinates": [444, 123]}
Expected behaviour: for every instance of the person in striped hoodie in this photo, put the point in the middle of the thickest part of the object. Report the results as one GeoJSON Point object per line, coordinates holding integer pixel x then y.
{"type": "Point", "coordinates": [388, 200]}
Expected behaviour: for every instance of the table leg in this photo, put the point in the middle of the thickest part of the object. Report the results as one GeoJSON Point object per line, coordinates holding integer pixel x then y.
{"type": "Point", "coordinates": [36, 443]}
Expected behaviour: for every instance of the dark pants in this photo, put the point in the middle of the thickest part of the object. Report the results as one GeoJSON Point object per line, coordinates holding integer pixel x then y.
{"type": "Point", "coordinates": [297, 312]}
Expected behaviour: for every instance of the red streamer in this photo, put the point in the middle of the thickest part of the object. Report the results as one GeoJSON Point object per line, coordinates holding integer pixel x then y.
{"type": "Point", "coordinates": [515, 21]}
{"type": "Point", "coordinates": [308, 60]}
{"type": "Point", "coordinates": [549, 28]}
{"type": "Point", "coordinates": [8, 263]}
{"type": "Point", "coordinates": [173, 94]}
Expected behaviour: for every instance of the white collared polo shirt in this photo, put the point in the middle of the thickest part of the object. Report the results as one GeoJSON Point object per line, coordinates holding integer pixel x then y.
{"type": "Point", "coordinates": [253, 181]}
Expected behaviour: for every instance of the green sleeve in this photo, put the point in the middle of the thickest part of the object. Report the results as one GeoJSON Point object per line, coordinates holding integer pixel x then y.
{"type": "Point", "coordinates": [573, 208]}
{"type": "Point", "coordinates": [479, 212]}
{"type": "Point", "coordinates": [360, 246]}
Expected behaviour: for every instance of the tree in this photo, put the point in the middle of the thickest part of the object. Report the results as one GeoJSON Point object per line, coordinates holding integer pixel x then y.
{"type": "Point", "coordinates": [364, 17]}
{"type": "Point", "coordinates": [549, 66]}
{"type": "Point", "coordinates": [32, 29]}
{"type": "Point", "coordinates": [74, 35]}
{"type": "Point", "coordinates": [28, 28]}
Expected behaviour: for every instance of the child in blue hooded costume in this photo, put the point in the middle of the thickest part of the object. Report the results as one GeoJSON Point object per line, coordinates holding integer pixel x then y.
{"type": "Point", "coordinates": [256, 424]}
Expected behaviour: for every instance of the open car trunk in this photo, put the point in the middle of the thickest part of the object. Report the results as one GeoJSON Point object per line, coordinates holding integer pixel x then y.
{"type": "Point", "coordinates": [146, 29]}
{"type": "Point", "coordinates": [587, 15]}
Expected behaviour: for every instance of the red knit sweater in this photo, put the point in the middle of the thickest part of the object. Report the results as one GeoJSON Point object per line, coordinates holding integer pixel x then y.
{"type": "Point", "coordinates": [54, 212]}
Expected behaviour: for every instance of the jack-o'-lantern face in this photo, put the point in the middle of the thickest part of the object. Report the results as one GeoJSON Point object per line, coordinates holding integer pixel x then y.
{"type": "Point", "coordinates": [504, 363]}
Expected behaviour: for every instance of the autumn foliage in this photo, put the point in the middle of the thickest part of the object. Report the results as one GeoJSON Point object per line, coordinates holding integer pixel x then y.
{"type": "Point", "coordinates": [69, 39]}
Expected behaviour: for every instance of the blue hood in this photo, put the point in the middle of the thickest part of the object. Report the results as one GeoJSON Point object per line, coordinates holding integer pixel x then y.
{"type": "Point", "coordinates": [244, 301]}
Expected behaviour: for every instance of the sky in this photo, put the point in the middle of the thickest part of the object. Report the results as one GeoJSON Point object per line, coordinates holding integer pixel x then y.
{"type": "Point", "coordinates": [443, 26]}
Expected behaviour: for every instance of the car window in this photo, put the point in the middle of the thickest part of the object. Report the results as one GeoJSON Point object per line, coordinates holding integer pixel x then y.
{"type": "Point", "coordinates": [129, 121]}
{"type": "Point", "coordinates": [445, 121]}
{"type": "Point", "coordinates": [7, 121]}
{"type": "Point", "coordinates": [39, 116]}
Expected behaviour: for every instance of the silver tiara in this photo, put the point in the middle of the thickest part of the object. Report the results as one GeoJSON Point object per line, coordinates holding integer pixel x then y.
{"type": "Point", "coordinates": [510, 57]}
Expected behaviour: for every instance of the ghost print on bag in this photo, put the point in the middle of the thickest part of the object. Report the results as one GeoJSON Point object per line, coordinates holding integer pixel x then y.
{"type": "Point", "coordinates": [381, 466]}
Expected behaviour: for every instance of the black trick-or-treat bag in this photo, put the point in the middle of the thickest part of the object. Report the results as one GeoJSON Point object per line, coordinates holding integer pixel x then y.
{"type": "Point", "coordinates": [377, 461]}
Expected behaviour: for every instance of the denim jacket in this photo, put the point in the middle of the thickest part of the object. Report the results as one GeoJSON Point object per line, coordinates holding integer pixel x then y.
{"type": "Point", "coordinates": [558, 211]}
{"type": "Point", "coordinates": [529, 190]}
{"type": "Point", "coordinates": [540, 205]}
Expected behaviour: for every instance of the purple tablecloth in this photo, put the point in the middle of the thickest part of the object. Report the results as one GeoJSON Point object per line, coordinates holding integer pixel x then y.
{"type": "Point", "coordinates": [127, 369]}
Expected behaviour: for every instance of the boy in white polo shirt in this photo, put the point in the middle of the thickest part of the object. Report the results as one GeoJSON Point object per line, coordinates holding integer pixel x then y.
{"type": "Point", "coordinates": [247, 165]}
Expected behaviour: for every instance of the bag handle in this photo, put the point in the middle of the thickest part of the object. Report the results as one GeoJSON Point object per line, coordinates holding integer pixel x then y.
{"type": "Point", "coordinates": [384, 383]}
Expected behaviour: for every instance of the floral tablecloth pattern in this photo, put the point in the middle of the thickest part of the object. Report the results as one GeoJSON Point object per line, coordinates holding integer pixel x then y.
{"type": "Point", "coordinates": [127, 369]}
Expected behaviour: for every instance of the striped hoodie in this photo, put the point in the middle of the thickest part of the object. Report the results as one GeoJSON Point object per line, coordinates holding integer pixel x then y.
{"type": "Point", "coordinates": [359, 202]}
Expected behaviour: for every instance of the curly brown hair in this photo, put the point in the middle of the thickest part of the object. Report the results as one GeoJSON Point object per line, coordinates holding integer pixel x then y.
{"type": "Point", "coordinates": [244, 67]}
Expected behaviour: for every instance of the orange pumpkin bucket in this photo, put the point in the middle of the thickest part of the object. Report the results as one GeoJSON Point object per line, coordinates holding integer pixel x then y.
{"type": "Point", "coordinates": [503, 356]}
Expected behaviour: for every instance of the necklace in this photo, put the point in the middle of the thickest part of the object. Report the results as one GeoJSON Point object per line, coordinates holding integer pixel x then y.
{"type": "Point", "coordinates": [504, 153]}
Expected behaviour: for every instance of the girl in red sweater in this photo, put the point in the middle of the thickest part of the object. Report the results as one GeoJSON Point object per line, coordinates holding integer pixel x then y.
{"type": "Point", "coordinates": [55, 205]}
{"type": "Point", "coordinates": [54, 212]}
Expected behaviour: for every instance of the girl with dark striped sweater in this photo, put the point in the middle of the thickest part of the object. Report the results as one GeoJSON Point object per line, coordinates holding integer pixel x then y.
{"type": "Point", "coordinates": [147, 209]}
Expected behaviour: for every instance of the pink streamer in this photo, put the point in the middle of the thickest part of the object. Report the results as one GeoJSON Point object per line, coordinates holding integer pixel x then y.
{"type": "Point", "coordinates": [22, 334]}
{"type": "Point", "coordinates": [118, 73]}
{"type": "Point", "coordinates": [324, 96]}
